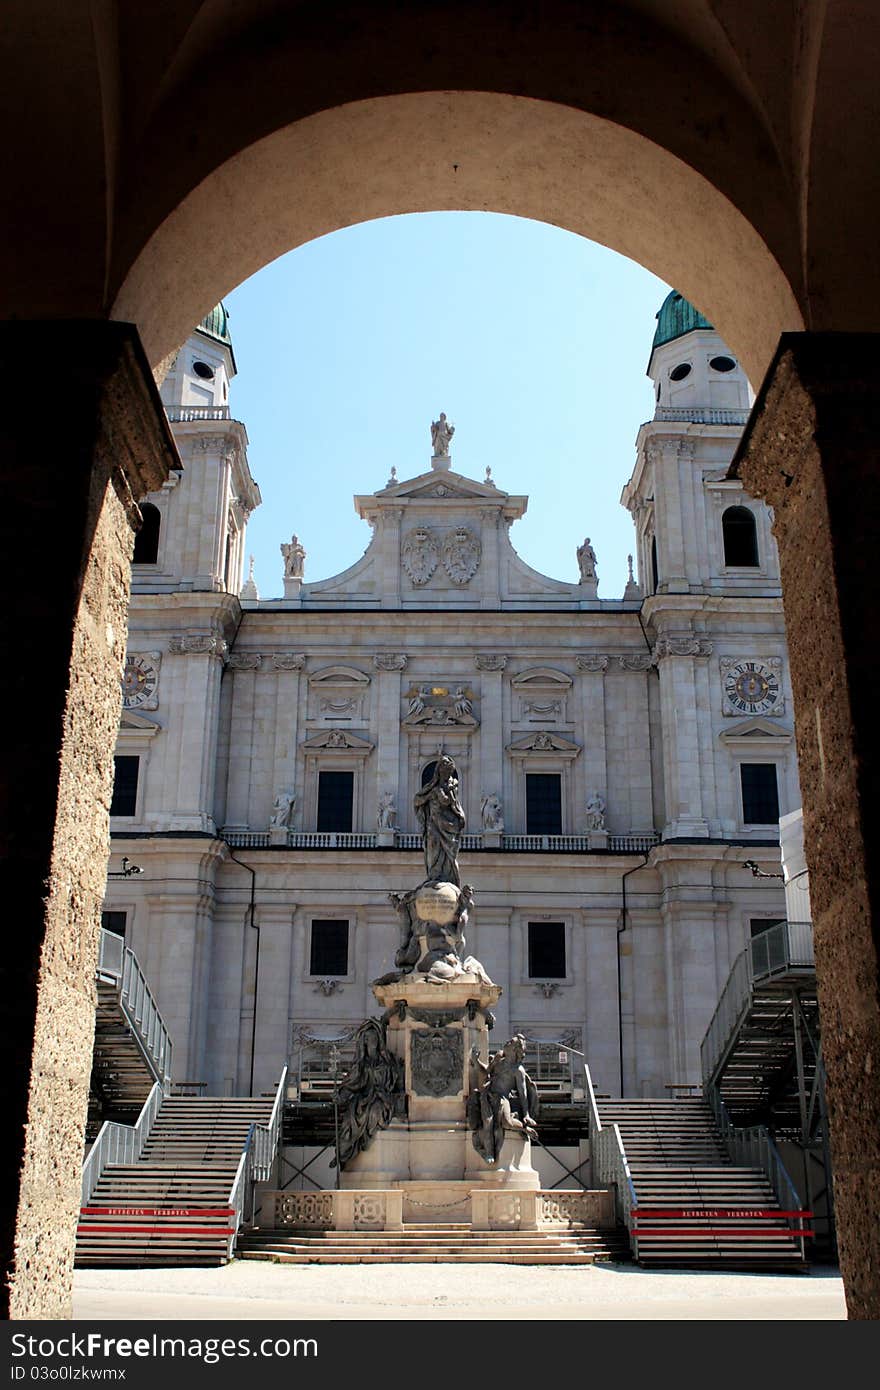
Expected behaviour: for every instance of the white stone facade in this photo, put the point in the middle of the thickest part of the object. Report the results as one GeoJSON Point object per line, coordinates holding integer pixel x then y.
{"type": "Point", "coordinates": [641, 711]}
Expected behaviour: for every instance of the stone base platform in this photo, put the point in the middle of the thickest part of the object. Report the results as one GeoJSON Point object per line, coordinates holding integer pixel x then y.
{"type": "Point", "coordinates": [411, 1204]}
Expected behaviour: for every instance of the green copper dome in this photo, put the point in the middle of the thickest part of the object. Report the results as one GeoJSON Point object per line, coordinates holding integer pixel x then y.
{"type": "Point", "coordinates": [216, 324]}
{"type": "Point", "coordinates": [675, 317]}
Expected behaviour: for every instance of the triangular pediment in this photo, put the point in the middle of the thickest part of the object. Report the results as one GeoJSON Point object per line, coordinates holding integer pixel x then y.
{"type": "Point", "coordinates": [338, 741]}
{"type": "Point", "coordinates": [132, 722]}
{"type": "Point", "coordinates": [545, 742]}
{"type": "Point", "coordinates": [757, 731]}
{"type": "Point", "coordinates": [443, 483]}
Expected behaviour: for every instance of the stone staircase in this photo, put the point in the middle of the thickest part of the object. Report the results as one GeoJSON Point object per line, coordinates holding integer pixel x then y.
{"type": "Point", "coordinates": [695, 1207]}
{"type": "Point", "coordinates": [425, 1243]}
{"type": "Point", "coordinates": [172, 1206]}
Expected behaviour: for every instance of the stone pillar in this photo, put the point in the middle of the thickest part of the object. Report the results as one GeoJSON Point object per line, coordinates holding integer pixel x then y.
{"type": "Point", "coordinates": [75, 458]}
{"type": "Point", "coordinates": [681, 717]}
{"type": "Point", "coordinates": [591, 771]}
{"type": "Point", "coordinates": [812, 451]}
{"type": "Point", "coordinates": [491, 737]}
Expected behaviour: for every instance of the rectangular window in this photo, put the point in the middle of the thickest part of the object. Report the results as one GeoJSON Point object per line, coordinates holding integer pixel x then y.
{"type": "Point", "coordinates": [759, 924]}
{"type": "Point", "coordinates": [335, 800]}
{"type": "Point", "coordinates": [114, 921]}
{"type": "Point", "coordinates": [125, 786]}
{"type": "Point", "coordinates": [543, 803]}
{"type": "Point", "coordinates": [760, 793]}
{"type": "Point", "coordinates": [329, 948]}
{"type": "Point", "coordinates": [547, 950]}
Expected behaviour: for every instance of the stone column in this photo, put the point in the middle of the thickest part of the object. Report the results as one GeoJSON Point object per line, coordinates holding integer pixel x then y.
{"type": "Point", "coordinates": [812, 451]}
{"type": "Point", "coordinates": [75, 458]}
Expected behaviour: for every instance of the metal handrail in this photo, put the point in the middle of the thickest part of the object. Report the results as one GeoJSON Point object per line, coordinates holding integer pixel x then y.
{"type": "Point", "coordinates": [255, 1163]}
{"type": "Point", "coordinates": [117, 1143]}
{"type": "Point", "coordinates": [610, 1164]}
{"type": "Point", "coordinates": [784, 946]}
{"type": "Point", "coordinates": [139, 1007]}
{"type": "Point", "coordinates": [753, 1147]}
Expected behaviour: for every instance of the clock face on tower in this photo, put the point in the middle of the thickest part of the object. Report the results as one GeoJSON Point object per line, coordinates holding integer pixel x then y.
{"type": "Point", "coordinates": [751, 687]}
{"type": "Point", "coordinates": [139, 679]}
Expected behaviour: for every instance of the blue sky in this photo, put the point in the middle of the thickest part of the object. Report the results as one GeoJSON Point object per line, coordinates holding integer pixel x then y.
{"type": "Point", "coordinates": [533, 340]}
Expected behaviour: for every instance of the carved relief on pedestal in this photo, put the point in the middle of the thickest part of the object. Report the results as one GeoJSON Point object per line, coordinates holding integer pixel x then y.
{"type": "Point", "coordinates": [245, 661]}
{"type": "Point", "coordinates": [288, 661]}
{"type": "Point", "coordinates": [592, 661]}
{"type": "Point", "coordinates": [489, 661]}
{"type": "Point", "coordinates": [437, 1061]}
{"type": "Point", "coordinates": [390, 661]}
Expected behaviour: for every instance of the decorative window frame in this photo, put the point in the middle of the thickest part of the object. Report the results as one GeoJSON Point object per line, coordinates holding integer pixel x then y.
{"type": "Point", "coordinates": [549, 686]}
{"type": "Point", "coordinates": [335, 750]}
{"type": "Point", "coordinates": [756, 740]}
{"type": "Point", "coordinates": [553, 754]}
{"type": "Point", "coordinates": [327, 914]}
{"type": "Point", "coordinates": [725, 494]}
{"type": "Point", "coordinates": [136, 733]}
{"type": "Point", "coordinates": [527, 981]}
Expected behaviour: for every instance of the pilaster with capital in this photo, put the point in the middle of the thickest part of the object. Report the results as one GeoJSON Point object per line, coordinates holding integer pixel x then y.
{"type": "Point", "coordinates": [591, 770]}
{"type": "Point", "coordinates": [682, 712]}
{"type": "Point", "coordinates": [195, 666]}
{"type": "Point", "coordinates": [492, 760]}
{"type": "Point", "coordinates": [275, 921]}
{"type": "Point", "coordinates": [286, 674]}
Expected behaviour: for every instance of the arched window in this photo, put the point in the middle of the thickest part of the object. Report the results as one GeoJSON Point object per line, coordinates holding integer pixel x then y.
{"type": "Point", "coordinates": [428, 772]}
{"type": "Point", "coordinates": [146, 542]}
{"type": "Point", "coordinates": [740, 537]}
{"type": "Point", "coordinates": [655, 574]}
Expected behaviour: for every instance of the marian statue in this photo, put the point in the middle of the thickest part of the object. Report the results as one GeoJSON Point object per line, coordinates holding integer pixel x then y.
{"type": "Point", "coordinates": [441, 820]}
{"type": "Point", "coordinates": [586, 558]}
{"type": "Point", "coordinates": [441, 436]}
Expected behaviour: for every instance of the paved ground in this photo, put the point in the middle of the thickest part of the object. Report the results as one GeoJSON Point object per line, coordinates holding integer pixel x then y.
{"type": "Point", "coordinates": [248, 1290]}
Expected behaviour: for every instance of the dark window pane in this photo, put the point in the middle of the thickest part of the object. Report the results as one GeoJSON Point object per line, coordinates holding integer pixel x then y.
{"type": "Point", "coordinates": [329, 950]}
{"type": "Point", "coordinates": [543, 803]}
{"type": "Point", "coordinates": [547, 950]}
{"type": "Point", "coordinates": [146, 542]}
{"type": "Point", "coordinates": [125, 786]}
{"type": "Point", "coordinates": [760, 794]}
{"type": "Point", "coordinates": [654, 570]}
{"type": "Point", "coordinates": [428, 773]}
{"type": "Point", "coordinates": [759, 924]}
{"type": "Point", "coordinates": [114, 921]}
{"type": "Point", "coordinates": [335, 799]}
{"type": "Point", "coordinates": [740, 537]}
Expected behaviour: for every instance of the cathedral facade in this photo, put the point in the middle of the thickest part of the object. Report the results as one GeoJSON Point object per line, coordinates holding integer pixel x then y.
{"type": "Point", "coordinates": [620, 759]}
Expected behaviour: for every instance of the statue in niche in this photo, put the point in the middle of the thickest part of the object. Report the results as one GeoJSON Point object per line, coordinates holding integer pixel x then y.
{"type": "Point", "coordinates": [282, 811]}
{"type": "Point", "coordinates": [504, 1098]}
{"type": "Point", "coordinates": [586, 558]}
{"type": "Point", "coordinates": [441, 819]}
{"type": "Point", "coordinates": [371, 1094]}
{"type": "Point", "coordinates": [387, 811]}
{"type": "Point", "coordinates": [595, 817]}
{"type": "Point", "coordinates": [294, 559]}
{"type": "Point", "coordinates": [493, 816]}
{"type": "Point", "coordinates": [441, 436]}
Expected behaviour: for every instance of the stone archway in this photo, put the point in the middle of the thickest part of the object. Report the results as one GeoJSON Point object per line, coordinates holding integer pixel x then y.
{"type": "Point", "coordinates": [705, 144]}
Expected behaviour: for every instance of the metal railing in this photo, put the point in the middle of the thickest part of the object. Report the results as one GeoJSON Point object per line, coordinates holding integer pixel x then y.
{"type": "Point", "coordinates": [187, 414]}
{"type": "Point", "coordinates": [610, 1164]}
{"type": "Point", "coordinates": [255, 1164]}
{"type": "Point", "coordinates": [139, 1008]}
{"type": "Point", "coordinates": [783, 947]}
{"type": "Point", "coordinates": [753, 1147]}
{"type": "Point", "coordinates": [406, 840]}
{"type": "Point", "coordinates": [117, 1143]}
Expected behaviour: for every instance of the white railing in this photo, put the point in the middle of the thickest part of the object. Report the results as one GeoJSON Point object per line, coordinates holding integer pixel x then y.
{"type": "Point", "coordinates": [785, 946]}
{"type": "Point", "coordinates": [406, 840]}
{"type": "Point", "coordinates": [701, 415]}
{"type": "Point", "coordinates": [187, 414]}
{"type": "Point", "coordinates": [117, 1143]}
{"type": "Point", "coordinates": [255, 1164]}
{"type": "Point", "coordinates": [139, 1008]}
{"type": "Point", "coordinates": [610, 1164]}
{"type": "Point", "coordinates": [754, 1148]}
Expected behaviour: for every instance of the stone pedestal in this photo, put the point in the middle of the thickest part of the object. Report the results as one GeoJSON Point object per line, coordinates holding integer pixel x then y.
{"type": "Point", "coordinates": [277, 834]}
{"type": "Point", "coordinates": [386, 838]}
{"type": "Point", "coordinates": [433, 1028]}
{"type": "Point", "coordinates": [597, 839]}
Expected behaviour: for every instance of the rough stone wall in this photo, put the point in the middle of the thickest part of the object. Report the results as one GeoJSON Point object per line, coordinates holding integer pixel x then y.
{"type": "Point", "coordinates": [74, 463]}
{"type": "Point", "coordinates": [812, 451]}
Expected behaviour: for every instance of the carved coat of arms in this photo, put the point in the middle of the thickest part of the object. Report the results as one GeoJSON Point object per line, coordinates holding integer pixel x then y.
{"type": "Point", "coordinates": [419, 554]}
{"type": "Point", "coordinates": [437, 1058]}
{"type": "Point", "coordinates": [461, 554]}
